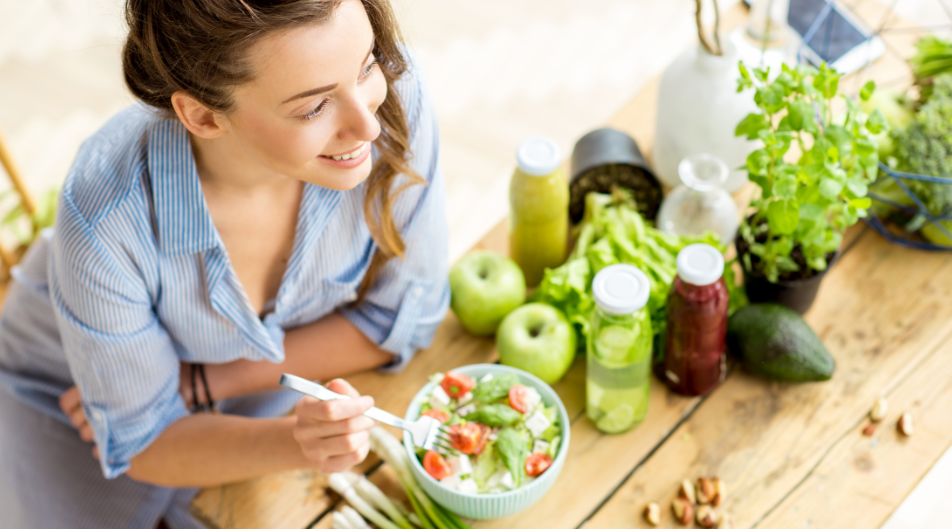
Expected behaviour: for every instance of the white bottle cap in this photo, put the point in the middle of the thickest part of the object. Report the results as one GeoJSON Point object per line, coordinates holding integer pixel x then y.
{"type": "Point", "coordinates": [621, 289]}
{"type": "Point", "coordinates": [539, 156]}
{"type": "Point", "coordinates": [700, 264]}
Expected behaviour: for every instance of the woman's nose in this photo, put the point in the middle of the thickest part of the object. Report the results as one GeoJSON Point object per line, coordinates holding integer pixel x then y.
{"type": "Point", "coordinates": [359, 122]}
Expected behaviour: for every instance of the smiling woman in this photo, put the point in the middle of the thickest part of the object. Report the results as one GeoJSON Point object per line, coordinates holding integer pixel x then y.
{"type": "Point", "coordinates": [275, 205]}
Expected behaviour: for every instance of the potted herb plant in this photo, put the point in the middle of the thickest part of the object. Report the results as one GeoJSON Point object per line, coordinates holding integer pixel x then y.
{"type": "Point", "coordinates": [793, 233]}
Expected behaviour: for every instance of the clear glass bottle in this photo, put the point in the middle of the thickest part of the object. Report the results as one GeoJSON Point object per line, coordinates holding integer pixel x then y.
{"type": "Point", "coordinates": [695, 345]}
{"type": "Point", "coordinates": [701, 204]}
{"type": "Point", "coordinates": [539, 209]}
{"type": "Point", "coordinates": [618, 378]}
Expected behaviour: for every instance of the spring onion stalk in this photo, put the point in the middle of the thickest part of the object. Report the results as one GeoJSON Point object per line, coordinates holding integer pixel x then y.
{"type": "Point", "coordinates": [414, 519]}
{"type": "Point", "coordinates": [342, 486]}
{"type": "Point", "coordinates": [340, 521]}
{"type": "Point", "coordinates": [356, 521]}
{"type": "Point", "coordinates": [377, 498]}
{"type": "Point", "coordinates": [432, 515]}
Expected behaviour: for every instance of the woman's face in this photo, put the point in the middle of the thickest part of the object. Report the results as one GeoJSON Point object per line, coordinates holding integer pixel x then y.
{"type": "Point", "coordinates": [309, 112]}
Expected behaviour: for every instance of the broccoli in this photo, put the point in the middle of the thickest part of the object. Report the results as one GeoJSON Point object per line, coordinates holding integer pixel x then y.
{"type": "Point", "coordinates": [925, 147]}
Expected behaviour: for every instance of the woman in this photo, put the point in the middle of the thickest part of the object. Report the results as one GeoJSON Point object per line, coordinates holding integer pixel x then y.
{"type": "Point", "coordinates": [273, 204]}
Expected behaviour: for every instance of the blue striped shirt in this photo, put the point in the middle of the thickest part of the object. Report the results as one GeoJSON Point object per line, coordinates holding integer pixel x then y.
{"type": "Point", "coordinates": [135, 279]}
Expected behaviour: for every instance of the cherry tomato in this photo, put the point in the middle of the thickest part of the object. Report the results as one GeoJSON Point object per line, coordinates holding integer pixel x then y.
{"type": "Point", "coordinates": [483, 439]}
{"type": "Point", "coordinates": [456, 384]}
{"type": "Point", "coordinates": [435, 465]}
{"type": "Point", "coordinates": [536, 464]}
{"type": "Point", "coordinates": [439, 415]}
{"type": "Point", "coordinates": [519, 398]}
{"type": "Point", "coordinates": [466, 437]}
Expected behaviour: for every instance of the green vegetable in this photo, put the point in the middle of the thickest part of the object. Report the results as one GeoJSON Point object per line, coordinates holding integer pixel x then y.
{"type": "Point", "coordinates": [495, 389]}
{"type": "Point", "coordinates": [806, 205]}
{"type": "Point", "coordinates": [431, 514]}
{"type": "Point", "coordinates": [933, 57]}
{"type": "Point", "coordinates": [774, 342]}
{"type": "Point", "coordinates": [613, 232]}
{"type": "Point", "coordinates": [485, 466]}
{"type": "Point", "coordinates": [925, 147]}
{"type": "Point", "coordinates": [495, 415]}
{"type": "Point", "coordinates": [512, 448]}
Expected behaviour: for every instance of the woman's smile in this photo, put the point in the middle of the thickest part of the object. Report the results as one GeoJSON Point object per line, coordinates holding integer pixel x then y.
{"type": "Point", "coordinates": [350, 159]}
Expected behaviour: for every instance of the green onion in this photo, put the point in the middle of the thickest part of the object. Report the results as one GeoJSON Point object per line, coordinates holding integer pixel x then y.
{"type": "Point", "coordinates": [342, 486]}
{"type": "Point", "coordinates": [378, 499]}
{"type": "Point", "coordinates": [432, 515]}
{"type": "Point", "coordinates": [340, 521]}
{"type": "Point", "coordinates": [353, 517]}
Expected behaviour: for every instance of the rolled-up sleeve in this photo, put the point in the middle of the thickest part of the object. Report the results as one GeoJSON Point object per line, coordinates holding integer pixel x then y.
{"type": "Point", "coordinates": [119, 354]}
{"type": "Point", "coordinates": [409, 298]}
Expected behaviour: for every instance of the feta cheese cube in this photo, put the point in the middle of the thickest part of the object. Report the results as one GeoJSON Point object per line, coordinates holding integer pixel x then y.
{"type": "Point", "coordinates": [537, 423]}
{"type": "Point", "coordinates": [487, 377]}
{"type": "Point", "coordinates": [495, 480]}
{"type": "Point", "coordinates": [465, 399]}
{"type": "Point", "coordinates": [508, 481]}
{"type": "Point", "coordinates": [461, 465]}
{"type": "Point", "coordinates": [540, 447]}
{"type": "Point", "coordinates": [439, 398]}
{"type": "Point", "coordinates": [451, 482]}
{"type": "Point", "coordinates": [468, 486]}
{"type": "Point", "coordinates": [533, 398]}
{"type": "Point", "coordinates": [492, 436]}
{"type": "Point", "coordinates": [466, 410]}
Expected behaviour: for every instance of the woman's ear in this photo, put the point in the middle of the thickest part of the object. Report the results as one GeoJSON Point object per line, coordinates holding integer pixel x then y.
{"type": "Point", "coordinates": [198, 118]}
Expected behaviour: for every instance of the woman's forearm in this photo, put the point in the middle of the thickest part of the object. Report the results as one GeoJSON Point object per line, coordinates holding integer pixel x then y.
{"type": "Point", "coordinates": [210, 449]}
{"type": "Point", "coordinates": [328, 348]}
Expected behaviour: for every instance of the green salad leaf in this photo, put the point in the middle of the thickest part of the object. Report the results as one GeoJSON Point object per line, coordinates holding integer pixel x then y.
{"type": "Point", "coordinates": [495, 389]}
{"type": "Point", "coordinates": [512, 448]}
{"type": "Point", "coordinates": [485, 466]}
{"type": "Point", "coordinates": [613, 232]}
{"type": "Point", "coordinates": [495, 415]}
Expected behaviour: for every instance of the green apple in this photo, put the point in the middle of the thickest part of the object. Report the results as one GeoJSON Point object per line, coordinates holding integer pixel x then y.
{"type": "Point", "coordinates": [485, 286]}
{"type": "Point", "coordinates": [537, 338]}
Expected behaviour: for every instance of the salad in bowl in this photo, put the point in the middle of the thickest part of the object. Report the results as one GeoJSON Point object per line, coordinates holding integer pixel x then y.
{"type": "Point", "coordinates": [509, 434]}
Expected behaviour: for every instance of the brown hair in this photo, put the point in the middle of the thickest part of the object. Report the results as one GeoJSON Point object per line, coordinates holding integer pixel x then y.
{"type": "Point", "coordinates": [201, 46]}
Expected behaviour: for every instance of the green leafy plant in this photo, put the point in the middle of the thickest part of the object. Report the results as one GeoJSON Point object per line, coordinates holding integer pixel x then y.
{"type": "Point", "coordinates": [24, 227]}
{"type": "Point", "coordinates": [804, 206]}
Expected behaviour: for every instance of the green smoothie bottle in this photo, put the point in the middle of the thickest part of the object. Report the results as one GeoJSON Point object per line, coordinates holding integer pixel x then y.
{"type": "Point", "coordinates": [538, 216]}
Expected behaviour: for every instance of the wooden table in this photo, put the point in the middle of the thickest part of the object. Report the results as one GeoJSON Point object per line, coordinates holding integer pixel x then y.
{"type": "Point", "coordinates": [792, 455]}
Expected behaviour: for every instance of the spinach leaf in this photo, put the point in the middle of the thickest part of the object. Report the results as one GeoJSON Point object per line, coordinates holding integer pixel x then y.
{"type": "Point", "coordinates": [495, 415]}
{"type": "Point", "coordinates": [512, 447]}
{"type": "Point", "coordinates": [495, 389]}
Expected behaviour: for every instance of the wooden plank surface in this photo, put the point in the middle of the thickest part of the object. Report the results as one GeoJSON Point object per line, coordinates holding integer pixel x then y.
{"type": "Point", "coordinates": [882, 311]}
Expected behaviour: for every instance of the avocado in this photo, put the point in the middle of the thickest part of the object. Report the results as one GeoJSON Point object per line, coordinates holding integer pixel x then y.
{"type": "Point", "coordinates": [774, 342]}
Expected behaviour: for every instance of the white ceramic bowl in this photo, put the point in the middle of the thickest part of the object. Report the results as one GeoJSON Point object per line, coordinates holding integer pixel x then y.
{"type": "Point", "coordinates": [487, 506]}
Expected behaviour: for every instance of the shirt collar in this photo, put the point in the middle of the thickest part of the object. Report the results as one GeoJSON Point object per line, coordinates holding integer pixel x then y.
{"type": "Point", "coordinates": [184, 222]}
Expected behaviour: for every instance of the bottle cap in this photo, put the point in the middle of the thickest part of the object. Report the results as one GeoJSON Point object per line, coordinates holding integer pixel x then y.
{"type": "Point", "coordinates": [621, 289]}
{"type": "Point", "coordinates": [538, 156]}
{"type": "Point", "coordinates": [700, 264]}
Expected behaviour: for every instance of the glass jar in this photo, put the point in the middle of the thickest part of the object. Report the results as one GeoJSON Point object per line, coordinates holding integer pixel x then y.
{"type": "Point", "coordinates": [695, 345]}
{"type": "Point", "coordinates": [538, 216]}
{"type": "Point", "coordinates": [701, 204]}
{"type": "Point", "coordinates": [620, 339]}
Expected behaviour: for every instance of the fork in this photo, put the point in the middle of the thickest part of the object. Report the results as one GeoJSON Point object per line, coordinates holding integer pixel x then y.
{"type": "Point", "coordinates": [426, 432]}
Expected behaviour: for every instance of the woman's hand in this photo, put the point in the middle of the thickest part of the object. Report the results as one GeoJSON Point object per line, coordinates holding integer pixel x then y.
{"type": "Point", "coordinates": [72, 406]}
{"type": "Point", "coordinates": [334, 435]}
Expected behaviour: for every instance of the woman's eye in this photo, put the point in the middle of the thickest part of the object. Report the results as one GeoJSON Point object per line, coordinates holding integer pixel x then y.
{"type": "Point", "coordinates": [316, 112]}
{"type": "Point", "coordinates": [370, 68]}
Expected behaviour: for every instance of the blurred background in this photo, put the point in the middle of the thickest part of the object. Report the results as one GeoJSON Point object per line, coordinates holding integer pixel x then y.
{"type": "Point", "coordinates": [499, 71]}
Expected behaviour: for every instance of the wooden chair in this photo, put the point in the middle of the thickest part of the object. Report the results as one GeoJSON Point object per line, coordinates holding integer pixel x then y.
{"type": "Point", "coordinates": [10, 257]}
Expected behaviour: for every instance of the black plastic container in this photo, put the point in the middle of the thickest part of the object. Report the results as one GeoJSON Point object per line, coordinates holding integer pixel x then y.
{"type": "Point", "coordinates": [607, 157]}
{"type": "Point", "coordinates": [798, 294]}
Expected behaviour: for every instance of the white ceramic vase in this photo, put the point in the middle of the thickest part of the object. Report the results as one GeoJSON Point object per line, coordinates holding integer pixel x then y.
{"type": "Point", "coordinates": [698, 110]}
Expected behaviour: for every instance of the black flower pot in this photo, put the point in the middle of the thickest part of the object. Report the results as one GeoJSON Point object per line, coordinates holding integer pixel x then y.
{"type": "Point", "coordinates": [797, 294]}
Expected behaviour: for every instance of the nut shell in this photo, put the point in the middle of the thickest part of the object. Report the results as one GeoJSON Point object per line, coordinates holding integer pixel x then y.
{"type": "Point", "coordinates": [687, 491]}
{"type": "Point", "coordinates": [879, 410]}
{"type": "Point", "coordinates": [905, 424]}
{"type": "Point", "coordinates": [720, 492]}
{"type": "Point", "coordinates": [683, 511]}
{"type": "Point", "coordinates": [653, 513]}
{"type": "Point", "coordinates": [706, 517]}
{"type": "Point", "coordinates": [705, 490]}
{"type": "Point", "coordinates": [870, 430]}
